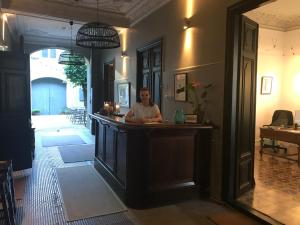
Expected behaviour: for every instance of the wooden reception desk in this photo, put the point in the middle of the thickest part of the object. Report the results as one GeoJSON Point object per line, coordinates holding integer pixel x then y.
{"type": "Point", "coordinates": [153, 164]}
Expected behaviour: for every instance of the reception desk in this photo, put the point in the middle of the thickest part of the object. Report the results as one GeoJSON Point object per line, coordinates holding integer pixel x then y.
{"type": "Point", "coordinates": [150, 164]}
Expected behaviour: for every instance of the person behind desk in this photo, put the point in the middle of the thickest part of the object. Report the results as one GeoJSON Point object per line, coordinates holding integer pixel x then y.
{"type": "Point", "coordinates": [145, 111]}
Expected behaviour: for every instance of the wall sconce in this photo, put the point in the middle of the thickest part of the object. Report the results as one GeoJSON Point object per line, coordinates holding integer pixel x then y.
{"type": "Point", "coordinates": [187, 24]}
{"type": "Point", "coordinates": [124, 54]}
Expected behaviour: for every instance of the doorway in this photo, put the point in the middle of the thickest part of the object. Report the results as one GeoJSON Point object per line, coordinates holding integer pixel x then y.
{"type": "Point", "coordinates": [149, 70]}
{"type": "Point", "coordinates": [238, 175]}
{"type": "Point", "coordinates": [239, 99]}
{"type": "Point", "coordinates": [276, 169]}
{"type": "Point", "coordinates": [109, 80]}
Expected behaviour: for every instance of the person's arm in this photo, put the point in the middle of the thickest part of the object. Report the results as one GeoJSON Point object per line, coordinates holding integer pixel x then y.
{"type": "Point", "coordinates": [129, 116]}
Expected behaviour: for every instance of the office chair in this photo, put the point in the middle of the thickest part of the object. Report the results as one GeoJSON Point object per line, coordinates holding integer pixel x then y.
{"type": "Point", "coordinates": [282, 118]}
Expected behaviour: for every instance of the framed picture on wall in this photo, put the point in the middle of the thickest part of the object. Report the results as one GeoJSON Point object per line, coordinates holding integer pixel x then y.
{"type": "Point", "coordinates": [180, 86]}
{"type": "Point", "coordinates": [266, 85]}
{"type": "Point", "coordinates": [123, 90]}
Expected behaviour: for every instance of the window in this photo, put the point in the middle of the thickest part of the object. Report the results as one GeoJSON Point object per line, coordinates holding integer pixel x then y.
{"type": "Point", "coordinates": [45, 53]}
{"type": "Point", "coordinates": [52, 53]}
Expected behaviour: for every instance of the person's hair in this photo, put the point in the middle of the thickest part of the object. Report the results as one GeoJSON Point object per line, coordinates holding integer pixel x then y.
{"type": "Point", "coordinates": [151, 103]}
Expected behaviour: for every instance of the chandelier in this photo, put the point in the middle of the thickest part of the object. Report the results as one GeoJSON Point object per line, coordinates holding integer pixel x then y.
{"type": "Point", "coordinates": [97, 35]}
{"type": "Point", "coordinates": [69, 57]}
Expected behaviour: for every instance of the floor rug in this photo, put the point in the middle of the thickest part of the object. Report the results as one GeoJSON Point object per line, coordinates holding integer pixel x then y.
{"type": "Point", "coordinates": [48, 141]}
{"type": "Point", "coordinates": [77, 153]}
{"type": "Point", "coordinates": [85, 194]}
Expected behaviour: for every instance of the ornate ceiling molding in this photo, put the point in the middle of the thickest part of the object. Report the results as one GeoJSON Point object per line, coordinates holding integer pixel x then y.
{"type": "Point", "coordinates": [144, 9]}
{"type": "Point", "coordinates": [275, 22]}
{"type": "Point", "coordinates": [41, 21]}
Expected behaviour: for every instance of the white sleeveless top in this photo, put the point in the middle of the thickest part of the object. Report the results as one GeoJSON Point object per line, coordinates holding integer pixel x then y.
{"type": "Point", "coordinates": [140, 111]}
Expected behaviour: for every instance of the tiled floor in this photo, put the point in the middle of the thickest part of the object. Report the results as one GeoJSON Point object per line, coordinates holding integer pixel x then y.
{"type": "Point", "coordinates": [42, 204]}
{"type": "Point", "coordinates": [277, 189]}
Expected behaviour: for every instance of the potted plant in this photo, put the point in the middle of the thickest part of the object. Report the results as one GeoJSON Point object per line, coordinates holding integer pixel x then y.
{"type": "Point", "coordinates": [35, 112]}
{"type": "Point", "coordinates": [197, 97]}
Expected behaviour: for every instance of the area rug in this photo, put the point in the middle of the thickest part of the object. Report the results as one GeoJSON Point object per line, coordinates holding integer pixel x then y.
{"type": "Point", "coordinates": [77, 153]}
{"type": "Point", "coordinates": [85, 194]}
{"type": "Point", "coordinates": [59, 140]}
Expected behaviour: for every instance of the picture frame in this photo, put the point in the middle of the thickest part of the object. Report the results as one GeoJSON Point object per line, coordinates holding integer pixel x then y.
{"type": "Point", "coordinates": [266, 85]}
{"type": "Point", "coordinates": [123, 91]}
{"type": "Point", "coordinates": [180, 87]}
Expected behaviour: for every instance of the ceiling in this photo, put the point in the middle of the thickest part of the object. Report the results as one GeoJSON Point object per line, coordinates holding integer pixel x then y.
{"type": "Point", "coordinates": [47, 21]}
{"type": "Point", "coordinates": [283, 15]}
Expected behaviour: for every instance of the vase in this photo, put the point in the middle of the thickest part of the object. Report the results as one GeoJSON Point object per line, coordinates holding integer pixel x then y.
{"type": "Point", "coordinates": [179, 116]}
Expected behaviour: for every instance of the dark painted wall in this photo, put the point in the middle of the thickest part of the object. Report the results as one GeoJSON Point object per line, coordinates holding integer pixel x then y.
{"type": "Point", "coordinates": [203, 60]}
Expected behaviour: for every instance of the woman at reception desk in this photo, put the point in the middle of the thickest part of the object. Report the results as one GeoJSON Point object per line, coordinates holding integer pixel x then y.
{"type": "Point", "coordinates": [156, 163]}
{"type": "Point", "coordinates": [145, 111]}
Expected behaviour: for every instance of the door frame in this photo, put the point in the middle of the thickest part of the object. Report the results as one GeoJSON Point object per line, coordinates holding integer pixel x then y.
{"type": "Point", "coordinates": [233, 37]}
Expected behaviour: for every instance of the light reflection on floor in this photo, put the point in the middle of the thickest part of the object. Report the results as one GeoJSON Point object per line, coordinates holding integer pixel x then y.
{"type": "Point", "coordinates": [277, 189]}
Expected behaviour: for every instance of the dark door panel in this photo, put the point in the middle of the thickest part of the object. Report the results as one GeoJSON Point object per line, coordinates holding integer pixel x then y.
{"type": "Point", "coordinates": [246, 107]}
{"type": "Point", "coordinates": [16, 134]}
{"type": "Point", "coordinates": [149, 70]}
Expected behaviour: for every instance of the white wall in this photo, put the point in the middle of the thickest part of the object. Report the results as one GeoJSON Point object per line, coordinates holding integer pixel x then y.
{"type": "Point", "coordinates": [291, 76]}
{"type": "Point", "coordinates": [278, 57]}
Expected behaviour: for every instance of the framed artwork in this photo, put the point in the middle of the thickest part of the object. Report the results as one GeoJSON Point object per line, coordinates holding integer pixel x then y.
{"type": "Point", "coordinates": [180, 87]}
{"type": "Point", "coordinates": [266, 85]}
{"type": "Point", "coordinates": [123, 90]}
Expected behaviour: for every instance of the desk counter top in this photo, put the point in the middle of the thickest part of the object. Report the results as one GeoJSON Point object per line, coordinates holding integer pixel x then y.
{"type": "Point", "coordinates": [120, 122]}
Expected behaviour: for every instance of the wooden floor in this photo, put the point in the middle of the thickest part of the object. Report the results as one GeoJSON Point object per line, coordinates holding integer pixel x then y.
{"type": "Point", "coordinates": [42, 203]}
{"type": "Point", "coordinates": [277, 189]}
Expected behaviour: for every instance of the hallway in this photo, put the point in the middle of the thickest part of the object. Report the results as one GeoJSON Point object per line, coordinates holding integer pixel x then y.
{"type": "Point", "coordinates": [42, 203]}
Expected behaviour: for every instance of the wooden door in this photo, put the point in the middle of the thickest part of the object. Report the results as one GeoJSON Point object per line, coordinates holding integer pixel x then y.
{"type": "Point", "coordinates": [109, 80]}
{"type": "Point", "coordinates": [149, 70]}
{"type": "Point", "coordinates": [246, 106]}
{"type": "Point", "coordinates": [15, 125]}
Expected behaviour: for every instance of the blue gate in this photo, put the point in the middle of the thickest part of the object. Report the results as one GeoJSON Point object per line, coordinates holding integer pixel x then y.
{"type": "Point", "coordinates": [48, 96]}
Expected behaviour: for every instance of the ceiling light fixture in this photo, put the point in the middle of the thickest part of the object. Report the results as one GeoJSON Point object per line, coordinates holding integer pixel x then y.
{"type": "Point", "coordinates": [69, 57]}
{"type": "Point", "coordinates": [97, 35]}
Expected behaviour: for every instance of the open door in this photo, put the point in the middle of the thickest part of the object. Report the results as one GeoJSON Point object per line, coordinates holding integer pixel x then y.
{"type": "Point", "coordinates": [245, 124]}
{"type": "Point", "coordinates": [16, 134]}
